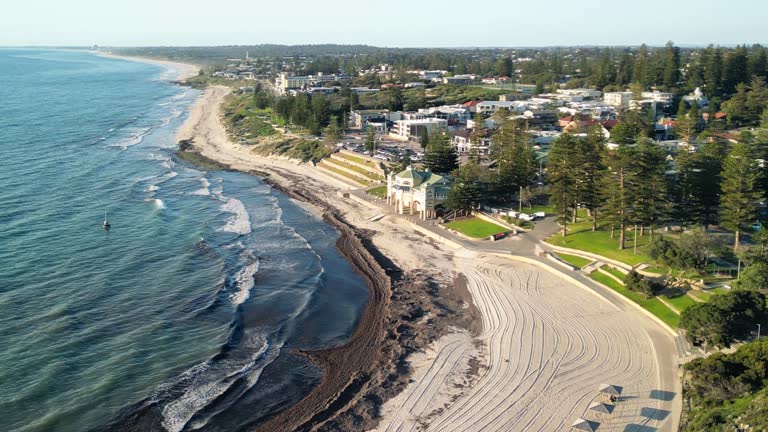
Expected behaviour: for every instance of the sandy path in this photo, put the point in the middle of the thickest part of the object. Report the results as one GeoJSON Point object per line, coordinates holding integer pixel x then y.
{"type": "Point", "coordinates": [547, 346]}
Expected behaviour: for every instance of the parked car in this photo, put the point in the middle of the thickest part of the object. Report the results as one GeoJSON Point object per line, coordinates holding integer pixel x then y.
{"type": "Point", "coordinates": [525, 217]}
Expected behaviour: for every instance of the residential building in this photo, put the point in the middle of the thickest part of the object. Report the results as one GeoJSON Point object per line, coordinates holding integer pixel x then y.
{"type": "Point", "coordinates": [697, 97]}
{"type": "Point", "coordinates": [364, 90]}
{"type": "Point", "coordinates": [361, 118]}
{"type": "Point", "coordinates": [405, 130]}
{"type": "Point", "coordinates": [618, 99]}
{"type": "Point", "coordinates": [285, 82]}
{"type": "Point", "coordinates": [509, 97]}
{"type": "Point", "coordinates": [585, 94]}
{"type": "Point", "coordinates": [491, 107]}
{"type": "Point", "coordinates": [460, 113]}
{"type": "Point", "coordinates": [662, 98]}
{"type": "Point", "coordinates": [418, 192]}
{"type": "Point", "coordinates": [464, 143]}
{"type": "Point", "coordinates": [460, 79]}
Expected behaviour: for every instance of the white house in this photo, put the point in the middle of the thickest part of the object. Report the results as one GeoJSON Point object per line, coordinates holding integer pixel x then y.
{"type": "Point", "coordinates": [405, 130]}
{"type": "Point", "coordinates": [618, 99]}
{"type": "Point", "coordinates": [491, 107]}
{"type": "Point", "coordinates": [463, 142]}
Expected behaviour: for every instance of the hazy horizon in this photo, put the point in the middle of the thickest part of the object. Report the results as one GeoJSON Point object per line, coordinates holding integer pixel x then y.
{"type": "Point", "coordinates": [397, 24]}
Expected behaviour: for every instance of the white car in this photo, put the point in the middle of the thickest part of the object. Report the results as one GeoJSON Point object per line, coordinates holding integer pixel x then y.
{"type": "Point", "coordinates": [525, 217]}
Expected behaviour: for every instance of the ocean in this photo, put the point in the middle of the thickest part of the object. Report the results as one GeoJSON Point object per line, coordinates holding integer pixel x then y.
{"type": "Point", "coordinates": [185, 314]}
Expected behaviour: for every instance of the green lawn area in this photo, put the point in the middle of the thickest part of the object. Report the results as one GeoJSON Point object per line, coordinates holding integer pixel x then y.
{"type": "Point", "coordinates": [599, 242]}
{"type": "Point", "coordinates": [370, 175]}
{"type": "Point", "coordinates": [379, 191]}
{"type": "Point", "coordinates": [475, 228]}
{"type": "Point", "coordinates": [547, 209]}
{"type": "Point", "coordinates": [574, 260]}
{"type": "Point", "coordinates": [652, 305]}
{"type": "Point", "coordinates": [355, 159]}
{"type": "Point", "coordinates": [681, 302]}
{"type": "Point", "coordinates": [618, 273]}
{"type": "Point", "coordinates": [706, 295]}
{"type": "Point", "coordinates": [330, 167]}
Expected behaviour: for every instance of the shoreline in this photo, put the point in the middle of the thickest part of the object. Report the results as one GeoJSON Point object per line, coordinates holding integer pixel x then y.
{"type": "Point", "coordinates": [183, 71]}
{"type": "Point", "coordinates": [399, 318]}
{"type": "Point", "coordinates": [460, 377]}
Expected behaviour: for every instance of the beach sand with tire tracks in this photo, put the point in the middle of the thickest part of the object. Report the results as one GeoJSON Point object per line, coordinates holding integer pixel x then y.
{"type": "Point", "coordinates": [546, 346]}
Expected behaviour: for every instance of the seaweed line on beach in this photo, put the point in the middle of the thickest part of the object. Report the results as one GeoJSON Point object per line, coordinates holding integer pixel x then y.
{"type": "Point", "coordinates": [405, 312]}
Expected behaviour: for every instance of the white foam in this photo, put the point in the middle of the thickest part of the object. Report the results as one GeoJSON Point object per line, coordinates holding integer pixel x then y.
{"type": "Point", "coordinates": [204, 191]}
{"type": "Point", "coordinates": [168, 163]}
{"type": "Point", "coordinates": [244, 281]}
{"type": "Point", "coordinates": [207, 382]}
{"type": "Point", "coordinates": [135, 138]}
{"type": "Point", "coordinates": [159, 204]}
{"type": "Point", "coordinates": [179, 96]}
{"type": "Point", "coordinates": [240, 222]}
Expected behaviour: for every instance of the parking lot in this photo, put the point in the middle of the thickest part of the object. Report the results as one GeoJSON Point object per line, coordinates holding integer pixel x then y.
{"type": "Point", "coordinates": [387, 149]}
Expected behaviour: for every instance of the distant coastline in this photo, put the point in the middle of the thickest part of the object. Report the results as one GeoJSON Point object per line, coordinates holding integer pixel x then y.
{"type": "Point", "coordinates": [184, 71]}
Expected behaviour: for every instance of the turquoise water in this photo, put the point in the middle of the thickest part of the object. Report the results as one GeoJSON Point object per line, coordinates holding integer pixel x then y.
{"type": "Point", "coordinates": [183, 315]}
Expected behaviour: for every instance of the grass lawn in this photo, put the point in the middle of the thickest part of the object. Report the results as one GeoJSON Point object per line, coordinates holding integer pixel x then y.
{"type": "Point", "coordinates": [475, 228]}
{"type": "Point", "coordinates": [370, 175]}
{"type": "Point", "coordinates": [547, 209]}
{"type": "Point", "coordinates": [379, 191]}
{"type": "Point", "coordinates": [574, 260]}
{"type": "Point", "coordinates": [652, 305]}
{"type": "Point", "coordinates": [599, 242]}
{"type": "Point", "coordinates": [330, 167]}
{"type": "Point", "coordinates": [619, 274]}
{"type": "Point", "coordinates": [355, 159]}
{"type": "Point", "coordinates": [706, 295]}
{"type": "Point", "coordinates": [681, 302]}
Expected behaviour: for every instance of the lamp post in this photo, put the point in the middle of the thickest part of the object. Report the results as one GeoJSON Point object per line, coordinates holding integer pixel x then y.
{"type": "Point", "coordinates": [758, 332]}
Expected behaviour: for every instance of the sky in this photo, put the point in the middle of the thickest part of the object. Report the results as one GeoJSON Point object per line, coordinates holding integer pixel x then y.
{"type": "Point", "coordinates": [391, 23]}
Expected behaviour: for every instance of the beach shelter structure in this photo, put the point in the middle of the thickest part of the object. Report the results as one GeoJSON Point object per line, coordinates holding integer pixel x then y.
{"type": "Point", "coordinates": [585, 425]}
{"type": "Point", "coordinates": [601, 407]}
{"type": "Point", "coordinates": [609, 389]}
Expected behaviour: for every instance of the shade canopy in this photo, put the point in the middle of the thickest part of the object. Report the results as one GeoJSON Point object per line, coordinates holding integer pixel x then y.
{"type": "Point", "coordinates": [602, 407]}
{"type": "Point", "coordinates": [610, 389]}
{"type": "Point", "coordinates": [585, 425]}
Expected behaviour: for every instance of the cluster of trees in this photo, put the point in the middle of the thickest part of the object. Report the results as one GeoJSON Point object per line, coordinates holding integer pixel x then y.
{"type": "Point", "coordinates": [630, 186]}
{"type": "Point", "coordinates": [516, 165]}
{"type": "Point", "coordinates": [725, 318]}
{"type": "Point", "coordinates": [713, 380]}
{"type": "Point", "coordinates": [689, 252]}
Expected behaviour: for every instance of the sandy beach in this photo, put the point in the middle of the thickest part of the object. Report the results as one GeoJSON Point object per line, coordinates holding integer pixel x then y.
{"type": "Point", "coordinates": [527, 348]}
{"type": "Point", "coordinates": [181, 71]}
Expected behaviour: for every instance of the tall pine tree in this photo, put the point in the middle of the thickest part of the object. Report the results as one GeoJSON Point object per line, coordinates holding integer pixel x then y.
{"type": "Point", "coordinates": [740, 192]}
{"type": "Point", "coordinates": [440, 156]}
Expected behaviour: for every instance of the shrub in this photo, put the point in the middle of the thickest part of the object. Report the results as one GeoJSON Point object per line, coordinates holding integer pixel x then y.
{"type": "Point", "coordinates": [636, 282]}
